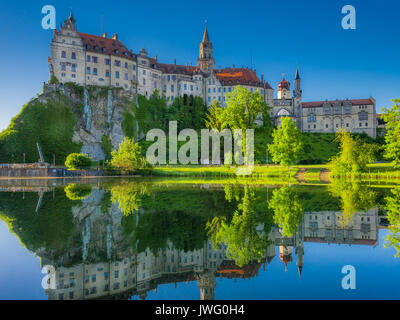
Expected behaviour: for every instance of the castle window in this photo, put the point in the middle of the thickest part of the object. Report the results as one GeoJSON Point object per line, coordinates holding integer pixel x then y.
{"type": "Point", "coordinates": [96, 48]}
{"type": "Point", "coordinates": [63, 67]}
{"type": "Point", "coordinates": [94, 59]}
{"type": "Point", "coordinates": [63, 74]}
{"type": "Point", "coordinates": [126, 65]}
{"type": "Point", "coordinates": [366, 124]}
{"type": "Point", "coordinates": [347, 110]}
{"type": "Point", "coordinates": [63, 54]}
{"type": "Point", "coordinates": [95, 71]}
{"type": "Point", "coordinates": [126, 76]}
{"type": "Point", "coordinates": [326, 126]}
{"type": "Point", "coordinates": [165, 87]}
{"type": "Point", "coordinates": [336, 110]}
{"type": "Point", "coordinates": [173, 78]}
{"type": "Point", "coordinates": [312, 117]}
{"type": "Point", "coordinates": [73, 75]}
{"type": "Point", "coordinates": [73, 68]}
{"type": "Point", "coordinates": [144, 82]}
{"type": "Point", "coordinates": [88, 70]}
{"type": "Point", "coordinates": [327, 110]}
{"type": "Point", "coordinates": [107, 62]}
{"type": "Point", "coordinates": [191, 87]}
{"type": "Point", "coordinates": [144, 72]}
{"type": "Point", "coordinates": [133, 67]}
{"type": "Point", "coordinates": [362, 116]}
{"type": "Point", "coordinates": [88, 58]}
{"type": "Point", "coordinates": [107, 74]}
{"type": "Point", "coordinates": [117, 74]}
{"type": "Point", "coordinates": [103, 49]}
{"type": "Point", "coordinates": [73, 55]}
{"type": "Point", "coordinates": [172, 88]}
{"type": "Point", "coordinates": [117, 63]}
{"type": "Point", "coordinates": [116, 51]}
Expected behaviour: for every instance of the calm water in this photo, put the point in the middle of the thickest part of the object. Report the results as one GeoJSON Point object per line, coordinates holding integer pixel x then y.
{"type": "Point", "coordinates": [158, 239]}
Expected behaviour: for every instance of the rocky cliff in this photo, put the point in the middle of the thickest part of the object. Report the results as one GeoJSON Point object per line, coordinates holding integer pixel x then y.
{"type": "Point", "coordinates": [99, 115]}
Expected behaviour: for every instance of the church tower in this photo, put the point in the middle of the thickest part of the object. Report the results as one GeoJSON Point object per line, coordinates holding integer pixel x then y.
{"type": "Point", "coordinates": [297, 85]}
{"type": "Point", "coordinates": [206, 61]}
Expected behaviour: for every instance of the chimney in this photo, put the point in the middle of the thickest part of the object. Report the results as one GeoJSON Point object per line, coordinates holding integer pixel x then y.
{"type": "Point", "coordinates": [115, 36]}
{"type": "Point", "coordinates": [262, 78]}
{"type": "Point", "coordinates": [105, 35]}
{"type": "Point", "coordinates": [156, 58]}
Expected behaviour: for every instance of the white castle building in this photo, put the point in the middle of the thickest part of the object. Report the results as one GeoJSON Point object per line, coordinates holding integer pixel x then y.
{"type": "Point", "coordinates": [98, 60]}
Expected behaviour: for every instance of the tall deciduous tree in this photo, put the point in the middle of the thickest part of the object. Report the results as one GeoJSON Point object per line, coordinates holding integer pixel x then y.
{"type": "Point", "coordinates": [354, 155]}
{"type": "Point", "coordinates": [393, 207]}
{"type": "Point", "coordinates": [287, 144]}
{"type": "Point", "coordinates": [392, 138]}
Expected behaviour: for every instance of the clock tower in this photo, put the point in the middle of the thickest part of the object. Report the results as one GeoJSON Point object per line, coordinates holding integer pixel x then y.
{"type": "Point", "coordinates": [206, 61]}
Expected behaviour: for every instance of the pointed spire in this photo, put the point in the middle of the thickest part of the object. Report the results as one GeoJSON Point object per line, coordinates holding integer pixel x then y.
{"type": "Point", "coordinates": [205, 35]}
{"type": "Point", "coordinates": [297, 74]}
{"type": "Point", "coordinates": [71, 16]}
{"type": "Point", "coordinates": [300, 269]}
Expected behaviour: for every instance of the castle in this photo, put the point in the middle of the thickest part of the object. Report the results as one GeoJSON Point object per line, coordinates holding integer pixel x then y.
{"type": "Point", "coordinates": [98, 60]}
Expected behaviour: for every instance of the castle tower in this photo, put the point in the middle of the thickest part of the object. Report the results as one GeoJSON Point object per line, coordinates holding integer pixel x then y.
{"type": "Point", "coordinates": [284, 89]}
{"type": "Point", "coordinates": [207, 283]}
{"type": "Point", "coordinates": [206, 61]}
{"type": "Point", "coordinates": [69, 24]}
{"type": "Point", "coordinates": [297, 85]}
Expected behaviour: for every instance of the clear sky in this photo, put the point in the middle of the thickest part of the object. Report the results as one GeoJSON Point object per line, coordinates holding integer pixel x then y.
{"type": "Point", "coordinates": [333, 62]}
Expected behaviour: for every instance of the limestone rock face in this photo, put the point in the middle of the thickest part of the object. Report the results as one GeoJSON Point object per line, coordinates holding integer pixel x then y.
{"type": "Point", "coordinates": [100, 115]}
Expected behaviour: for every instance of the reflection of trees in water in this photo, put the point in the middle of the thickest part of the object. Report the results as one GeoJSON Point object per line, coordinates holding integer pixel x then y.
{"type": "Point", "coordinates": [75, 191]}
{"type": "Point", "coordinates": [393, 214]}
{"type": "Point", "coordinates": [354, 197]}
{"type": "Point", "coordinates": [241, 231]}
{"type": "Point", "coordinates": [288, 210]}
{"type": "Point", "coordinates": [128, 196]}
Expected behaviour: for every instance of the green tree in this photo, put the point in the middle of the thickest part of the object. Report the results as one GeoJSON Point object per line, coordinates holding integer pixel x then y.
{"type": "Point", "coordinates": [392, 137]}
{"type": "Point", "coordinates": [287, 143]}
{"type": "Point", "coordinates": [243, 108]}
{"type": "Point", "coordinates": [78, 161]}
{"type": "Point", "coordinates": [354, 155]}
{"type": "Point", "coordinates": [128, 196]}
{"type": "Point", "coordinates": [214, 117]}
{"type": "Point", "coordinates": [288, 210]}
{"type": "Point", "coordinates": [128, 157]}
{"type": "Point", "coordinates": [393, 214]}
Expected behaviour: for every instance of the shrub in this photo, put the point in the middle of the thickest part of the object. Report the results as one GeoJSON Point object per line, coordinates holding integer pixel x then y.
{"type": "Point", "coordinates": [78, 161]}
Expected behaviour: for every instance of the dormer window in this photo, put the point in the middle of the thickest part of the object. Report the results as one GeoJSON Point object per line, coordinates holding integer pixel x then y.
{"type": "Point", "coordinates": [88, 47]}
{"type": "Point", "coordinates": [103, 49]}
{"type": "Point", "coordinates": [116, 51]}
{"type": "Point", "coordinates": [96, 48]}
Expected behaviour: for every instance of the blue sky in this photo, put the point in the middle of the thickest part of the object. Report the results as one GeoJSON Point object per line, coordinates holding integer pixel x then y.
{"type": "Point", "coordinates": [333, 62]}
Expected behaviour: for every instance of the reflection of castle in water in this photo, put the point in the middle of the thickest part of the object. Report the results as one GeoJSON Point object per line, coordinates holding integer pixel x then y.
{"type": "Point", "coordinates": [113, 269]}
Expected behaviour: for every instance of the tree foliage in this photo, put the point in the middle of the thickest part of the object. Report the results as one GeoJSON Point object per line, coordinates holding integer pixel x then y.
{"type": "Point", "coordinates": [75, 191]}
{"type": "Point", "coordinates": [128, 157]}
{"type": "Point", "coordinates": [287, 144]}
{"type": "Point", "coordinates": [51, 124]}
{"type": "Point", "coordinates": [392, 137]}
{"type": "Point", "coordinates": [76, 161]}
{"type": "Point", "coordinates": [353, 157]}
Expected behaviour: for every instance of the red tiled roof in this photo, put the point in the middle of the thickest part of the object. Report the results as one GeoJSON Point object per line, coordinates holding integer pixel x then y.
{"type": "Point", "coordinates": [243, 76]}
{"type": "Point", "coordinates": [283, 84]}
{"type": "Point", "coordinates": [106, 46]}
{"type": "Point", "coordinates": [315, 104]}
